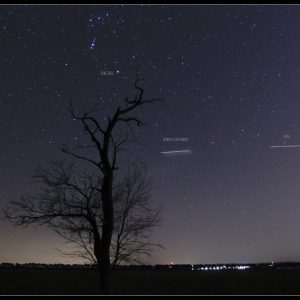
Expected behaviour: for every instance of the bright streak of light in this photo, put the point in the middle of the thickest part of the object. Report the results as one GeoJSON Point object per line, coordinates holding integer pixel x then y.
{"type": "Point", "coordinates": [177, 152]}
{"type": "Point", "coordinates": [286, 146]}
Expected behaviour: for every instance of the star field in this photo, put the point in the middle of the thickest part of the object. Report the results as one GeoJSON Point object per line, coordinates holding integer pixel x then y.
{"type": "Point", "coordinates": [230, 76]}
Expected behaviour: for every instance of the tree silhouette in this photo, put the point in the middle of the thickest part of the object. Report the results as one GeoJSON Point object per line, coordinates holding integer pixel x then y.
{"type": "Point", "coordinates": [70, 203]}
{"type": "Point", "coordinates": [107, 142]}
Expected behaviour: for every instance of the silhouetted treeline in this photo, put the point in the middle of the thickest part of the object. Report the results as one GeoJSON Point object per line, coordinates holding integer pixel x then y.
{"type": "Point", "coordinates": [48, 266]}
{"type": "Point", "coordinates": [177, 267]}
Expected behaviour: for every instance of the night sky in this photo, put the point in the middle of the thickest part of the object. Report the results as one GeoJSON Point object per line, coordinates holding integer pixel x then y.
{"type": "Point", "coordinates": [230, 76]}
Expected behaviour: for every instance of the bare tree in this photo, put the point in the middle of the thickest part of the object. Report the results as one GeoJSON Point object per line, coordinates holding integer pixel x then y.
{"type": "Point", "coordinates": [70, 203]}
{"type": "Point", "coordinates": [106, 142]}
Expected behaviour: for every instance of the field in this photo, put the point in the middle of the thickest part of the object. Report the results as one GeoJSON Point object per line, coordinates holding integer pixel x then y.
{"type": "Point", "coordinates": [75, 282]}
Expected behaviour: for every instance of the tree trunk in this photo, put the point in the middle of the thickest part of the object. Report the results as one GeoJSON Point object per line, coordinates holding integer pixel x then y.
{"type": "Point", "coordinates": [107, 230]}
{"type": "Point", "coordinates": [105, 282]}
{"type": "Point", "coordinates": [103, 269]}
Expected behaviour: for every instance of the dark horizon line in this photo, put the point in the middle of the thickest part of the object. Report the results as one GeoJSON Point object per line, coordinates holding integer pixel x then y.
{"type": "Point", "coordinates": [153, 265]}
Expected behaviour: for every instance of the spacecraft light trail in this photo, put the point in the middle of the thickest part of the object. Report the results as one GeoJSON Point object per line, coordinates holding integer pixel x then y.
{"type": "Point", "coordinates": [286, 146]}
{"type": "Point", "coordinates": [177, 152]}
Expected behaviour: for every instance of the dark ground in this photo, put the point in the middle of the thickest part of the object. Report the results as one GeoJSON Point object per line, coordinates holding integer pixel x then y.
{"type": "Point", "coordinates": [43, 281]}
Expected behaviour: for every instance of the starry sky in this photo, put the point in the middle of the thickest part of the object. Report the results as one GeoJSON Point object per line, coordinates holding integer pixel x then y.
{"type": "Point", "coordinates": [230, 76]}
